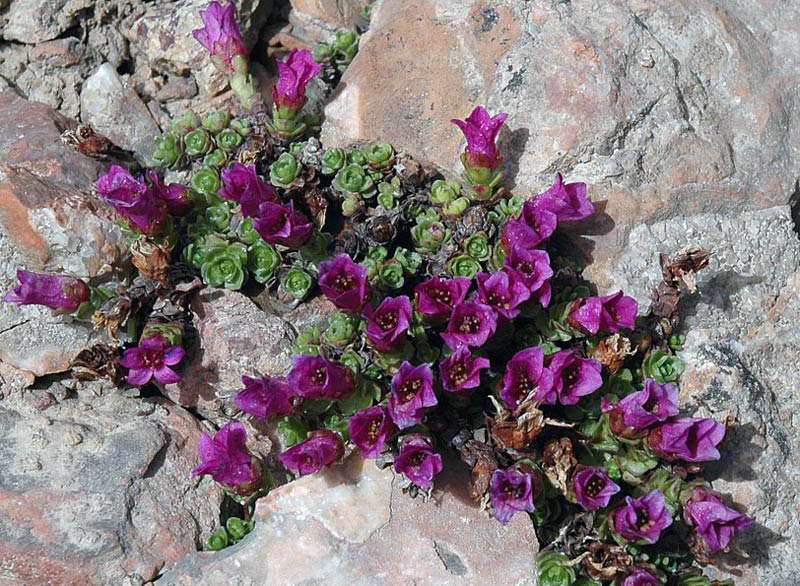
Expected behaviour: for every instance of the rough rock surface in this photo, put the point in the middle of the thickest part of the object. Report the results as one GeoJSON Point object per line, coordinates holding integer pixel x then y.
{"type": "Point", "coordinates": [666, 108]}
{"type": "Point", "coordinates": [34, 21]}
{"type": "Point", "coordinates": [95, 488]}
{"type": "Point", "coordinates": [237, 338]}
{"type": "Point", "coordinates": [742, 354]}
{"type": "Point", "coordinates": [162, 38]}
{"type": "Point", "coordinates": [353, 525]}
{"type": "Point", "coordinates": [316, 21]}
{"type": "Point", "coordinates": [48, 222]}
{"type": "Point", "coordinates": [114, 110]}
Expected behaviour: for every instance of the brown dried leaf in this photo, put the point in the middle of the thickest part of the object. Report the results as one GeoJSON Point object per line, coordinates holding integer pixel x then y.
{"type": "Point", "coordinates": [612, 351]}
{"type": "Point", "coordinates": [606, 561]}
{"type": "Point", "coordinates": [516, 430]}
{"type": "Point", "coordinates": [98, 361]}
{"type": "Point", "coordinates": [318, 206]}
{"type": "Point", "coordinates": [558, 461]}
{"type": "Point", "coordinates": [152, 259]}
{"type": "Point", "coordinates": [480, 458]}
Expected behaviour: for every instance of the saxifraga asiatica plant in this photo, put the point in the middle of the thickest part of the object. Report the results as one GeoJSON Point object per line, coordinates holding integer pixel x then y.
{"type": "Point", "coordinates": [461, 326]}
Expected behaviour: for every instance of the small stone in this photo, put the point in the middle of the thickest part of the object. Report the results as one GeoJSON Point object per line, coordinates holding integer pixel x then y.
{"type": "Point", "coordinates": [114, 110]}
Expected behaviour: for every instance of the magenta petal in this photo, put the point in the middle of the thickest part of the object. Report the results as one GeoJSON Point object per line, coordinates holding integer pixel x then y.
{"type": "Point", "coordinates": [139, 376]}
{"type": "Point", "coordinates": [165, 375]}
{"type": "Point", "coordinates": [174, 355]}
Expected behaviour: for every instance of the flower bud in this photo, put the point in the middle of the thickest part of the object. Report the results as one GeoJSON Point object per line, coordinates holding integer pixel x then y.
{"type": "Point", "coordinates": [354, 179]}
{"type": "Point", "coordinates": [198, 142]}
{"type": "Point", "coordinates": [662, 367]}
{"type": "Point", "coordinates": [237, 528]}
{"type": "Point", "coordinates": [206, 181]}
{"type": "Point", "coordinates": [553, 569]}
{"type": "Point", "coordinates": [224, 266]}
{"type": "Point", "coordinates": [229, 139]}
{"type": "Point", "coordinates": [477, 246]}
{"type": "Point", "coordinates": [380, 155]}
{"type": "Point", "coordinates": [333, 160]}
{"type": "Point", "coordinates": [215, 122]}
{"type": "Point", "coordinates": [262, 260]}
{"type": "Point", "coordinates": [456, 207]}
{"type": "Point", "coordinates": [216, 158]}
{"type": "Point", "coordinates": [391, 275]}
{"type": "Point", "coordinates": [284, 171]}
{"type": "Point", "coordinates": [297, 282]}
{"type": "Point", "coordinates": [341, 329]}
{"type": "Point", "coordinates": [167, 150]}
{"type": "Point", "coordinates": [218, 540]}
{"type": "Point", "coordinates": [443, 192]}
{"type": "Point", "coordinates": [352, 205]}
{"type": "Point", "coordinates": [59, 292]}
{"type": "Point", "coordinates": [463, 266]}
{"type": "Point", "coordinates": [185, 123]}
{"type": "Point", "coordinates": [242, 125]}
{"type": "Point", "coordinates": [172, 332]}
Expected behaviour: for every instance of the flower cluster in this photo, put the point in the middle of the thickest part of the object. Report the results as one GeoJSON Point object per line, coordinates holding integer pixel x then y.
{"type": "Point", "coordinates": [459, 328]}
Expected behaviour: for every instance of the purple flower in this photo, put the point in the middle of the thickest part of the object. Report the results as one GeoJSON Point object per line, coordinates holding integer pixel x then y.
{"type": "Point", "coordinates": [573, 378]}
{"type": "Point", "coordinates": [265, 396]}
{"type": "Point", "coordinates": [242, 184]}
{"type": "Point", "coordinates": [281, 224]}
{"type": "Point", "coordinates": [227, 460]}
{"type": "Point", "coordinates": [436, 297]}
{"type": "Point", "coordinates": [481, 131]}
{"type": "Point", "coordinates": [593, 488]}
{"type": "Point", "coordinates": [524, 374]}
{"type": "Point", "coordinates": [567, 201]}
{"type": "Point", "coordinates": [511, 490]}
{"type": "Point", "coordinates": [370, 429]}
{"type": "Point", "coordinates": [345, 283]}
{"type": "Point", "coordinates": [619, 311]}
{"type": "Point", "coordinates": [640, 577]}
{"type": "Point", "coordinates": [607, 314]}
{"type": "Point", "coordinates": [642, 518]}
{"type": "Point", "coordinates": [322, 448]}
{"type": "Point", "coordinates": [387, 326]}
{"type": "Point", "coordinates": [58, 292]}
{"type": "Point", "coordinates": [220, 35]}
{"type": "Point", "coordinates": [713, 521]}
{"type": "Point", "coordinates": [533, 227]}
{"type": "Point", "coordinates": [417, 460]}
{"type": "Point", "coordinates": [412, 394]}
{"type": "Point", "coordinates": [295, 73]}
{"type": "Point", "coordinates": [174, 195]}
{"type": "Point", "coordinates": [693, 439]}
{"type": "Point", "coordinates": [152, 359]}
{"type": "Point", "coordinates": [640, 410]}
{"type": "Point", "coordinates": [132, 200]}
{"type": "Point", "coordinates": [315, 377]}
{"type": "Point", "coordinates": [503, 292]}
{"type": "Point", "coordinates": [471, 324]}
{"type": "Point", "coordinates": [462, 371]}
{"type": "Point", "coordinates": [531, 267]}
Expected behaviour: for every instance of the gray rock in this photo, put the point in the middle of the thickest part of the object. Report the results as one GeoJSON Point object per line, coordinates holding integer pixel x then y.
{"type": "Point", "coordinates": [97, 488]}
{"type": "Point", "coordinates": [743, 360]}
{"type": "Point", "coordinates": [114, 110]}
{"type": "Point", "coordinates": [352, 524]}
{"type": "Point", "coordinates": [34, 21]}
{"type": "Point", "coordinates": [665, 109]}
{"type": "Point", "coordinates": [162, 38]}
{"type": "Point", "coordinates": [237, 338]}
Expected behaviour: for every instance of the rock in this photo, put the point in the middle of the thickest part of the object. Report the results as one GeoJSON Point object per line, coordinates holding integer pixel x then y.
{"type": "Point", "coordinates": [742, 357]}
{"type": "Point", "coordinates": [317, 21]}
{"type": "Point", "coordinates": [662, 112]}
{"type": "Point", "coordinates": [34, 21]}
{"type": "Point", "coordinates": [114, 110]}
{"type": "Point", "coordinates": [162, 37]}
{"type": "Point", "coordinates": [49, 223]}
{"type": "Point", "coordinates": [97, 488]}
{"type": "Point", "coordinates": [353, 525]}
{"type": "Point", "coordinates": [237, 338]}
